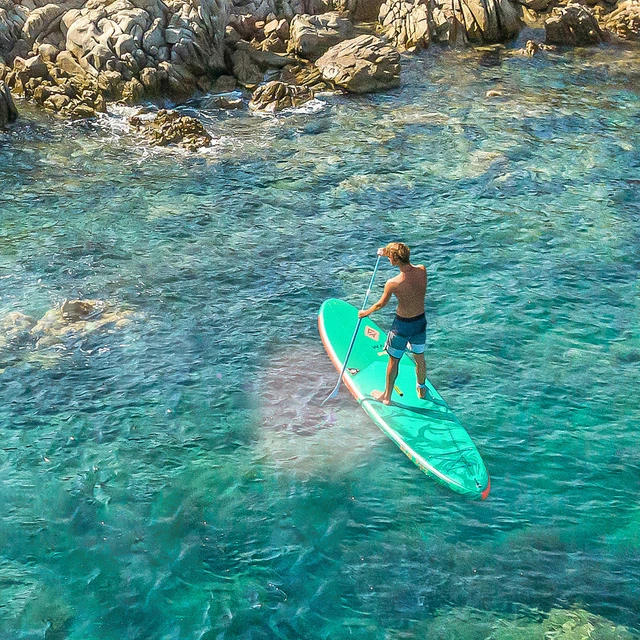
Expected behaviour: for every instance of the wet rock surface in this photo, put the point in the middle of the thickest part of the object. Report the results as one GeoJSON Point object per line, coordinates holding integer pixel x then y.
{"type": "Point", "coordinates": [307, 75]}
{"type": "Point", "coordinates": [8, 111]}
{"type": "Point", "coordinates": [170, 128]}
{"type": "Point", "coordinates": [276, 96]}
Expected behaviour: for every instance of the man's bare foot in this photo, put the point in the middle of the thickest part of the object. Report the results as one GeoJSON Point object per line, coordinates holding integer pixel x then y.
{"type": "Point", "coordinates": [378, 395]}
{"type": "Point", "coordinates": [421, 389]}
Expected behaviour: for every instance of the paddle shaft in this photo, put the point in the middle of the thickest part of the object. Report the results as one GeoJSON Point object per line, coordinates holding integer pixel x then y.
{"type": "Point", "coordinates": [355, 333]}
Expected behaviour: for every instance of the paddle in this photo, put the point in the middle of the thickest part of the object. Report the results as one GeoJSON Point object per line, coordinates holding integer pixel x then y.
{"type": "Point", "coordinates": [334, 393]}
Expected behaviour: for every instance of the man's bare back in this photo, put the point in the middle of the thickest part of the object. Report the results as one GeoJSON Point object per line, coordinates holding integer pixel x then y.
{"type": "Point", "coordinates": [410, 288]}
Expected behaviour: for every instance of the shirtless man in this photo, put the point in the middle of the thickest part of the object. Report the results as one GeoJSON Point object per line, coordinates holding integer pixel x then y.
{"type": "Point", "coordinates": [409, 326]}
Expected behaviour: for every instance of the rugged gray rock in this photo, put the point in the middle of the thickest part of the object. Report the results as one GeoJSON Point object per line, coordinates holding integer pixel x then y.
{"type": "Point", "coordinates": [624, 20]}
{"type": "Point", "coordinates": [363, 64]}
{"type": "Point", "coordinates": [8, 111]}
{"type": "Point", "coordinates": [411, 24]}
{"type": "Point", "coordinates": [261, 9]}
{"type": "Point", "coordinates": [476, 21]}
{"type": "Point", "coordinates": [573, 25]}
{"type": "Point", "coordinates": [125, 46]}
{"type": "Point", "coordinates": [311, 36]}
{"type": "Point", "coordinates": [406, 23]}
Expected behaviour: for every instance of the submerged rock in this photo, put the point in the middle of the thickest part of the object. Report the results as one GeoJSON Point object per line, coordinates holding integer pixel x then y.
{"type": "Point", "coordinates": [559, 624]}
{"type": "Point", "coordinates": [276, 96]}
{"type": "Point", "coordinates": [15, 329]}
{"type": "Point", "coordinates": [573, 25]}
{"type": "Point", "coordinates": [8, 111]}
{"type": "Point", "coordinates": [69, 325]}
{"type": "Point", "coordinates": [77, 319]}
{"type": "Point", "coordinates": [311, 36]}
{"type": "Point", "coordinates": [532, 47]}
{"type": "Point", "coordinates": [363, 64]}
{"type": "Point", "coordinates": [170, 128]}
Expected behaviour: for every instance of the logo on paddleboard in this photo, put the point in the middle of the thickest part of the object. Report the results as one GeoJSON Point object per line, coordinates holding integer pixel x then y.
{"type": "Point", "coordinates": [370, 332]}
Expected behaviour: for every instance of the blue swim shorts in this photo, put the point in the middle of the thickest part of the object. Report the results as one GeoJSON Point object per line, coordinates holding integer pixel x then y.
{"type": "Point", "coordinates": [411, 332]}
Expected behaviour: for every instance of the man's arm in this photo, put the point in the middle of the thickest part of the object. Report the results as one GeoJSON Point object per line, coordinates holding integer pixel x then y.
{"type": "Point", "coordinates": [384, 299]}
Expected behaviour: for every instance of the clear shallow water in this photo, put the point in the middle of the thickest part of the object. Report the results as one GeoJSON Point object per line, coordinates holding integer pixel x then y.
{"type": "Point", "coordinates": [178, 479]}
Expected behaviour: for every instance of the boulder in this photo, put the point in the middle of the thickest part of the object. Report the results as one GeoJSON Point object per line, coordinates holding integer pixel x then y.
{"type": "Point", "coordinates": [266, 10]}
{"type": "Point", "coordinates": [273, 44]}
{"type": "Point", "coordinates": [245, 70]}
{"type": "Point", "coordinates": [624, 20]}
{"type": "Point", "coordinates": [307, 76]}
{"type": "Point", "coordinates": [48, 52]}
{"type": "Point", "coordinates": [532, 47]}
{"type": "Point", "coordinates": [573, 25]}
{"type": "Point", "coordinates": [359, 10]}
{"type": "Point", "coordinates": [405, 23]}
{"type": "Point", "coordinates": [12, 18]}
{"type": "Point", "coordinates": [278, 28]}
{"type": "Point", "coordinates": [535, 5]}
{"type": "Point", "coordinates": [225, 84]}
{"type": "Point", "coordinates": [244, 26]}
{"type": "Point", "coordinates": [227, 103]}
{"type": "Point", "coordinates": [312, 36]}
{"type": "Point", "coordinates": [33, 67]}
{"type": "Point", "coordinates": [366, 63]}
{"type": "Point", "coordinates": [276, 96]}
{"type": "Point", "coordinates": [478, 21]}
{"type": "Point", "coordinates": [170, 128]}
{"type": "Point", "coordinates": [42, 22]}
{"type": "Point", "coordinates": [66, 61]}
{"type": "Point", "coordinates": [264, 59]}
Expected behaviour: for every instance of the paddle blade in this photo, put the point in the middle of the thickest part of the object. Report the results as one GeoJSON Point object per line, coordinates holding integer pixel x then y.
{"type": "Point", "coordinates": [332, 395]}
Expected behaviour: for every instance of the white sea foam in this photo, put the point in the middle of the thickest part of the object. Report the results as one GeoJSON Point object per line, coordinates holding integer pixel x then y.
{"type": "Point", "coordinates": [308, 108]}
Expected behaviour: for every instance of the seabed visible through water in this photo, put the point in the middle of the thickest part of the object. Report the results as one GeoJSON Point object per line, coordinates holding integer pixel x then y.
{"type": "Point", "coordinates": [177, 478]}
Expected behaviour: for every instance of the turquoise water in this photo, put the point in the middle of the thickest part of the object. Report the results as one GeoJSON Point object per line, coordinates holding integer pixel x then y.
{"type": "Point", "coordinates": [177, 478]}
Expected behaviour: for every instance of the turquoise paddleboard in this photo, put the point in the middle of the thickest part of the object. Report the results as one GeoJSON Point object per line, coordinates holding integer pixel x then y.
{"type": "Point", "coordinates": [427, 431]}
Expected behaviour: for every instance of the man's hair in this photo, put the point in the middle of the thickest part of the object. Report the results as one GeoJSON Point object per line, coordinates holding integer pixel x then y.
{"type": "Point", "coordinates": [398, 251]}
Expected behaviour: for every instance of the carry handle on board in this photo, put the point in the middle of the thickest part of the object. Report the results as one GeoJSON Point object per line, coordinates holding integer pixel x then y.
{"type": "Point", "coordinates": [334, 393]}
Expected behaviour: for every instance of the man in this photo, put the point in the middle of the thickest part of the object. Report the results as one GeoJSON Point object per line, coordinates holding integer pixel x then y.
{"type": "Point", "coordinates": [409, 326]}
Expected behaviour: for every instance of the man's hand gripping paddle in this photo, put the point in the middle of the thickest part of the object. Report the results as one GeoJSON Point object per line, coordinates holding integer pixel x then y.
{"type": "Point", "coordinates": [334, 393]}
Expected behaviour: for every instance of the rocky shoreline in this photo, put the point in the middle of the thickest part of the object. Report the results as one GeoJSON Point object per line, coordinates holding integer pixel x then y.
{"type": "Point", "coordinates": [75, 57]}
